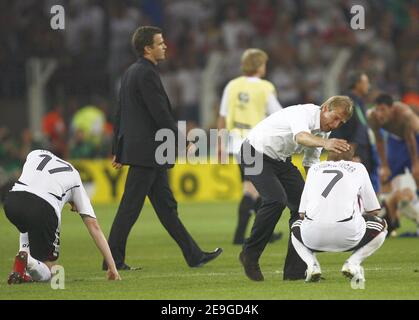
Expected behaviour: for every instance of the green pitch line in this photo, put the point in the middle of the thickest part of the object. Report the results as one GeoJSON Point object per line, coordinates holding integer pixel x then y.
{"type": "Point", "coordinates": [392, 273]}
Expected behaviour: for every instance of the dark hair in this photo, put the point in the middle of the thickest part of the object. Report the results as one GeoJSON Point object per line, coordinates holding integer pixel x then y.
{"type": "Point", "coordinates": [344, 155]}
{"type": "Point", "coordinates": [143, 37]}
{"type": "Point", "coordinates": [353, 78]}
{"type": "Point", "coordinates": [384, 98]}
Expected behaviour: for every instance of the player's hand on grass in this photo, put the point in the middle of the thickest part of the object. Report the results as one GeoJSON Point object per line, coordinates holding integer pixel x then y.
{"type": "Point", "coordinates": [116, 165]}
{"type": "Point", "coordinates": [113, 275]}
{"type": "Point", "coordinates": [337, 145]}
{"type": "Point", "coordinates": [384, 173]}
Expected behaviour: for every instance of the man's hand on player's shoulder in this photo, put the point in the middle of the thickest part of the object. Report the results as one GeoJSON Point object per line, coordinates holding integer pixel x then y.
{"type": "Point", "coordinates": [336, 145]}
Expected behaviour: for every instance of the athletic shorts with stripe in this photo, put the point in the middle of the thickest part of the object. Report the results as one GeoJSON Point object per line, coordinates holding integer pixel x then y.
{"type": "Point", "coordinates": [374, 225]}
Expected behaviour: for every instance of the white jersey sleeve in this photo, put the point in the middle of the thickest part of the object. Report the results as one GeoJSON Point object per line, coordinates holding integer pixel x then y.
{"type": "Point", "coordinates": [81, 200]}
{"type": "Point", "coordinates": [367, 193]}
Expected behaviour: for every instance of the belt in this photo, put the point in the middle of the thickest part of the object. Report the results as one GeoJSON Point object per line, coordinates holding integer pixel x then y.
{"type": "Point", "coordinates": [344, 220]}
{"type": "Point", "coordinates": [347, 219]}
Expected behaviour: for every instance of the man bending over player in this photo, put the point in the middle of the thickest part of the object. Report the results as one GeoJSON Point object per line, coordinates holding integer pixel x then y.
{"type": "Point", "coordinates": [34, 206]}
{"type": "Point", "coordinates": [335, 196]}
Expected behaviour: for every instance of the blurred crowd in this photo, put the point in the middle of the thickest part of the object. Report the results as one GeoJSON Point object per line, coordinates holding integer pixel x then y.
{"type": "Point", "coordinates": [302, 37]}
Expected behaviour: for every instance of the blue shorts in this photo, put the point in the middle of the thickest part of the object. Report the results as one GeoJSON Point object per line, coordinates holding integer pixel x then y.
{"type": "Point", "coordinates": [398, 155]}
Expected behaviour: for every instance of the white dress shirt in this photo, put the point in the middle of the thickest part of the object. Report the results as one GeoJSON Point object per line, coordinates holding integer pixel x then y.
{"type": "Point", "coordinates": [275, 135]}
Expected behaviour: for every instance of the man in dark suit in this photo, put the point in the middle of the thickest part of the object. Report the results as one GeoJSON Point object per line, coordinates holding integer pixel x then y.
{"type": "Point", "coordinates": [143, 109]}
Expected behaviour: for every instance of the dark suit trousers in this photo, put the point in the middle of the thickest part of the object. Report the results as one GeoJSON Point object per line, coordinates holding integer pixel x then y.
{"type": "Point", "coordinates": [280, 184]}
{"type": "Point", "coordinates": [151, 182]}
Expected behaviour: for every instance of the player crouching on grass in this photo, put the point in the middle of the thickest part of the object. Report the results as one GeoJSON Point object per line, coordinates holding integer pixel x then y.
{"type": "Point", "coordinates": [339, 208]}
{"type": "Point", "coordinates": [34, 206]}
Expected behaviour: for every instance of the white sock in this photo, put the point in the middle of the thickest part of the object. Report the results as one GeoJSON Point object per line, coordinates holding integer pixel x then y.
{"type": "Point", "coordinates": [364, 252]}
{"type": "Point", "coordinates": [315, 259]}
{"type": "Point", "coordinates": [24, 242]}
{"type": "Point", "coordinates": [38, 270]}
{"type": "Point", "coordinates": [304, 253]}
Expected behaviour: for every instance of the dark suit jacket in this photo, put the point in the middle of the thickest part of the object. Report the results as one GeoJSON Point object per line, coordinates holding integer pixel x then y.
{"type": "Point", "coordinates": [143, 109]}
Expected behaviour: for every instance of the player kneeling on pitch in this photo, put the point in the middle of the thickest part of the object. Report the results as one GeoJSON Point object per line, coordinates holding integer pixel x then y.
{"type": "Point", "coordinates": [339, 208]}
{"type": "Point", "coordinates": [34, 206]}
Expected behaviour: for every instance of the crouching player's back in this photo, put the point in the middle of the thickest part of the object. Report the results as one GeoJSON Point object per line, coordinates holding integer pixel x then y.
{"type": "Point", "coordinates": [334, 199]}
{"type": "Point", "coordinates": [339, 206]}
{"type": "Point", "coordinates": [34, 206]}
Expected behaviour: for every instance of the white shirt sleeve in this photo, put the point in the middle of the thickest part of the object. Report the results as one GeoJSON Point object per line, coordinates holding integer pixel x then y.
{"type": "Point", "coordinates": [299, 121]}
{"type": "Point", "coordinates": [224, 103]}
{"type": "Point", "coordinates": [303, 201]}
{"type": "Point", "coordinates": [311, 156]}
{"type": "Point", "coordinates": [367, 193]}
{"type": "Point", "coordinates": [81, 200]}
{"type": "Point", "coordinates": [273, 104]}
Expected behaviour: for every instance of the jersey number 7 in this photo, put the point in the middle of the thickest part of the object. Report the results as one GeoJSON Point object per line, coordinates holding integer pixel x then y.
{"type": "Point", "coordinates": [47, 159]}
{"type": "Point", "coordinates": [336, 178]}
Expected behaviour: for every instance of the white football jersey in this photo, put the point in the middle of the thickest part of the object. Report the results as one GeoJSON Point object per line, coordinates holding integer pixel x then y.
{"type": "Point", "coordinates": [54, 180]}
{"type": "Point", "coordinates": [335, 195]}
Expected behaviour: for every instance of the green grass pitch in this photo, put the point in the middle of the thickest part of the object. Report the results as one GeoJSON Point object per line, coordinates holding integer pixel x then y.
{"type": "Point", "coordinates": [392, 273]}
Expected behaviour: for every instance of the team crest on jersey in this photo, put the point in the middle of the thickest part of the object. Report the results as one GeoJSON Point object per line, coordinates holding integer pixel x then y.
{"type": "Point", "coordinates": [243, 98]}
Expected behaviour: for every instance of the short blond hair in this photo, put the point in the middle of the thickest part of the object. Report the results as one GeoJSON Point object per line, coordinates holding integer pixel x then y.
{"type": "Point", "coordinates": [343, 102]}
{"type": "Point", "coordinates": [252, 59]}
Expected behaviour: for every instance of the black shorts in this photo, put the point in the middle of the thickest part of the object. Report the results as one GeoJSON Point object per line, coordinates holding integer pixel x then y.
{"type": "Point", "coordinates": [32, 214]}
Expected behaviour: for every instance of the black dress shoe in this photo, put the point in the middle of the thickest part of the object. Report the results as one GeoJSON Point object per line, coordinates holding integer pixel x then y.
{"type": "Point", "coordinates": [208, 256]}
{"type": "Point", "coordinates": [127, 267]}
{"type": "Point", "coordinates": [251, 268]}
